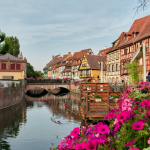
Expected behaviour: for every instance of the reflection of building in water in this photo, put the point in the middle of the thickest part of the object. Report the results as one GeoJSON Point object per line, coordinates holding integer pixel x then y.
{"type": "Point", "coordinates": [67, 108]}
{"type": "Point", "coordinates": [10, 121]}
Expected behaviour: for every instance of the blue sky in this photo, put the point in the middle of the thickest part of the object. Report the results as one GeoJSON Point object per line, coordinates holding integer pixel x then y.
{"type": "Point", "coordinates": [49, 27]}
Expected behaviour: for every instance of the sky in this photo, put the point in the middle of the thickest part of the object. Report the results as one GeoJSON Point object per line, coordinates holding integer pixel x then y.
{"type": "Point", "coordinates": [51, 27]}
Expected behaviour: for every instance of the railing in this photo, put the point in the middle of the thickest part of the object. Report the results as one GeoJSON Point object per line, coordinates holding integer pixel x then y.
{"type": "Point", "coordinates": [48, 81]}
{"type": "Point", "coordinates": [97, 109]}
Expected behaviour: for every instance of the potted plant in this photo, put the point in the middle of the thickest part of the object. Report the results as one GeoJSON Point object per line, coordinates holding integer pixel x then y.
{"type": "Point", "coordinates": [87, 87]}
{"type": "Point", "coordinates": [98, 98]}
{"type": "Point", "coordinates": [115, 97]}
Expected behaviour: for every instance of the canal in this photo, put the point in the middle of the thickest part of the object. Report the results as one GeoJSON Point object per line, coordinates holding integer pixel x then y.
{"type": "Point", "coordinates": [36, 124]}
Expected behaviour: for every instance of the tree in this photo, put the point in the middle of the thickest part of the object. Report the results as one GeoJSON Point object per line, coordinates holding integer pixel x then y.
{"type": "Point", "coordinates": [11, 46]}
{"type": "Point", "coordinates": [32, 73]}
{"type": "Point", "coordinates": [2, 36]}
{"type": "Point", "coordinates": [6, 48]}
{"type": "Point", "coordinates": [142, 5]}
{"type": "Point", "coordinates": [30, 70]}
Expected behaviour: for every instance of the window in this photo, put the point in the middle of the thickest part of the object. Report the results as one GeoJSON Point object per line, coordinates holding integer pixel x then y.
{"type": "Point", "coordinates": [116, 67]}
{"type": "Point", "coordinates": [125, 51]}
{"type": "Point", "coordinates": [112, 68]}
{"type": "Point", "coordinates": [18, 66]}
{"type": "Point", "coordinates": [3, 66]}
{"type": "Point", "coordinates": [12, 66]}
{"type": "Point", "coordinates": [116, 55]}
{"type": "Point", "coordinates": [112, 57]}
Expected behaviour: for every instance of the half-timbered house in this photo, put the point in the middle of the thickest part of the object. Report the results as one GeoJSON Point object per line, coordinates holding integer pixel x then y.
{"type": "Point", "coordinates": [113, 61]}
{"type": "Point", "coordinates": [139, 33]}
{"type": "Point", "coordinates": [91, 67]}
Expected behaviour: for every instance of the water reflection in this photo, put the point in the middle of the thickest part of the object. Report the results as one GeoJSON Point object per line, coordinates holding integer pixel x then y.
{"type": "Point", "coordinates": [10, 120]}
{"type": "Point", "coordinates": [28, 124]}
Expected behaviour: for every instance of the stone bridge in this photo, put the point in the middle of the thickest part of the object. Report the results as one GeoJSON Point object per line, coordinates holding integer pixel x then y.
{"type": "Point", "coordinates": [47, 86]}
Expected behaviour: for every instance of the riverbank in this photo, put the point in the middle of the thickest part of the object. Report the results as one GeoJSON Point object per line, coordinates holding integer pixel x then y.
{"type": "Point", "coordinates": [11, 96]}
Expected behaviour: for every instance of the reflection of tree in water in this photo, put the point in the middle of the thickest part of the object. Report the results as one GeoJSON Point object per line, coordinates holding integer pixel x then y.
{"type": "Point", "coordinates": [10, 121]}
{"type": "Point", "coordinates": [72, 110]}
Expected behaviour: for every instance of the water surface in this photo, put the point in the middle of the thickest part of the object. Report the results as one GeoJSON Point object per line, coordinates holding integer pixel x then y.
{"type": "Point", "coordinates": [27, 126]}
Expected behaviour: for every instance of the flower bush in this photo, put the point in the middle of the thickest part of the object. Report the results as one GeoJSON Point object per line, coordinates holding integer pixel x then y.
{"type": "Point", "coordinates": [40, 78]}
{"type": "Point", "coordinates": [128, 129]}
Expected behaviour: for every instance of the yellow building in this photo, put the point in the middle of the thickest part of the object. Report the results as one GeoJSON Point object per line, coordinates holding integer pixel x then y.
{"type": "Point", "coordinates": [12, 68]}
{"type": "Point", "coordinates": [113, 61]}
{"type": "Point", "coordinates": [91, 67]}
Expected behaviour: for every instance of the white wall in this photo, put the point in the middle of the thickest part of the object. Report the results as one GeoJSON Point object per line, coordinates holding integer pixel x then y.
{"type": "Point", "coordinates": [6, 82]}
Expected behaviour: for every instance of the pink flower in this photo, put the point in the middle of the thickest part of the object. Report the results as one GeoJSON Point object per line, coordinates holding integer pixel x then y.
{"type": "Point", "coordinates": [111, 115]}
{"type": "Point", "coordinates": [103, 129]}
{"type": "Point", "coordinates": [148, 142]}
{"type": "Point", "coordinates": [75, 131]}
{"type": "Point", "coordinates": [116, 127]}
{"type": "Point", "coordinates": [145, 103]}
{"type": "Point", "coordinates": [142, 120]}
{"type": "Point", "coordinates": [137, 125]}
{"type": "Point", "coordinates": [134, 149]}
{"type": "Point", "coordinates": [80, 146]}
{"type": "Point", "coordinates": [130, 143]}
{"type": "Point", "coordinates": [147, 114]}
{"type": "Point", "coordinates": [91, 145]}
{"type": "Point", "coordinates": [122, 116]}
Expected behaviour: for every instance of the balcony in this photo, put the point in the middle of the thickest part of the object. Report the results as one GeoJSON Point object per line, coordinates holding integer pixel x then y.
{"type": "Point", "coordinates": [85, 75]}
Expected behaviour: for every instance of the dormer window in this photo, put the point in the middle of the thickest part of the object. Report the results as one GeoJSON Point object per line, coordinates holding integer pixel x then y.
{"type": "Point", "coordinates": [134, 35]}
{"type": "Point", "coordinates": [126, 37]}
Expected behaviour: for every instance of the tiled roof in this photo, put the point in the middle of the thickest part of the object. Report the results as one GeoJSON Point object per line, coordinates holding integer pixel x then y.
{"type": "Point", "coordinates": [103, 52]}
{"type": "Point", "coordinates": [93, 61]}
{"type": "Point", "coordinates": [140, 26]}
{"type": "Point", "coordinates": [79, 55]}
{"type": "Point", "coordinates": [53, 61]}
{"type": "Point", "coordinates": [4, 57]}
{"type": "Point", "coordinates": [64, 59]}
{"type": "Point", "coordinates": [121, 37]}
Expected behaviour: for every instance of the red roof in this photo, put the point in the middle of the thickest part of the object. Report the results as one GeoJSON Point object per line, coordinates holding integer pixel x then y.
{"type": "Point", "coordinates": [141, 27]}
{"type": "Point", "coordinates": [115, 47]}
{"type": "Point", "coordinates": [103, 52]}
{"type": "Point", "coordinates": [93, 61]}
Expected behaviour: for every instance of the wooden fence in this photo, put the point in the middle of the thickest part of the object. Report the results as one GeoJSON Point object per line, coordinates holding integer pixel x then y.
{"type": "Point", "coordinates": [97, 109]}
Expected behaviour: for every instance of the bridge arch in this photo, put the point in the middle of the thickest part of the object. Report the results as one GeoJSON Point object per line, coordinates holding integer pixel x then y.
{"type": "Point", "coordinates": [46, 86]}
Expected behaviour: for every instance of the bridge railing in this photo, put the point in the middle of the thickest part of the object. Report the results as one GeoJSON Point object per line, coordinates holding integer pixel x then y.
{"type": "Point", "coordinates": [48, 81]}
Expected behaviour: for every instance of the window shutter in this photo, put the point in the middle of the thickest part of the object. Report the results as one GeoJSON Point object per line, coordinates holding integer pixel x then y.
{"type": "Point", "coordinates": [114, 67]}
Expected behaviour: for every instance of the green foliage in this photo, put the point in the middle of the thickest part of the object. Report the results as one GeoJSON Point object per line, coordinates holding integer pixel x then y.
{"type": "Point", "coordinates": [147, 148]}
{"type": "Point", "coordinates": [2, 36]}
{"type": "Point", "coordinates": [32, 73]}
{"type": "Point", "coordinates": [13, 84]}
{"type": "Point", "coordinates": [17, 84]}
{"type": "Point", "coordinates": [115, 96]}
{"type": "Point", "coordinates": [138, 95]}
{"type": "Point", "coordinates": [6, 48]}
{"type": "Point", "coordinates": [134, 71]}
{"type": "Point", "coordinates": [97, 96]}
{"type": "Point", "coordinates": [11, 46]}
{"type": "Point", "coordinates": [20, 83]}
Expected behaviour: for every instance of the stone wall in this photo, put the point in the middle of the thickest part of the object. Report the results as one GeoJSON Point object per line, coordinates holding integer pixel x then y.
{"type": "Point", "coordinates": [74, 88]}
{"type": "Point", "coordinates": [11, 95]}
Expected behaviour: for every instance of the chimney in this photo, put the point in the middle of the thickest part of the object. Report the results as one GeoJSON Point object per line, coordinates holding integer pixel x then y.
{"type": "Point", "coordinates": [69, 53]}
{"type": "Point", "coordinates": [105, 47]}
{"type": "Point", "coordinates": [52, 56]}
